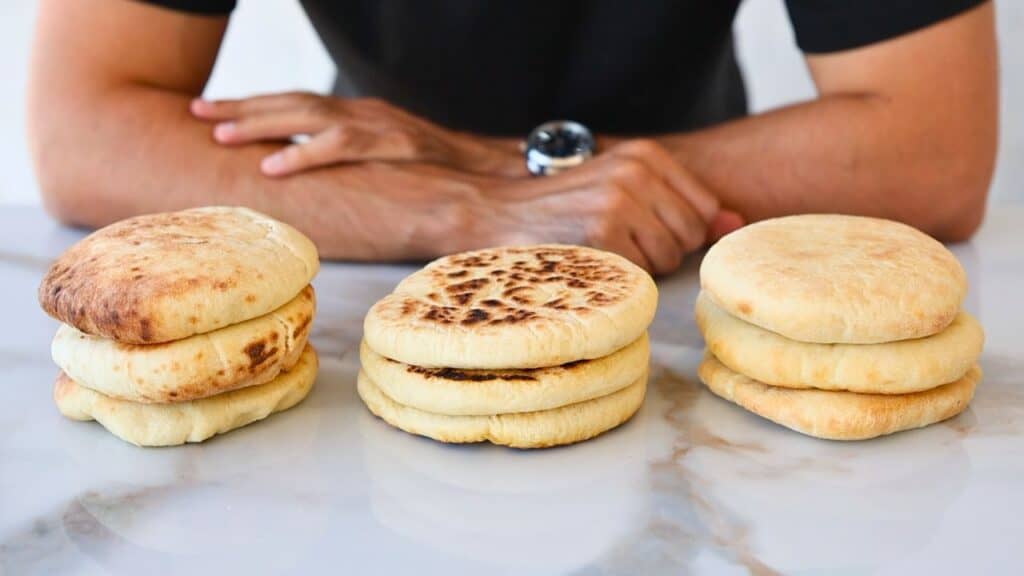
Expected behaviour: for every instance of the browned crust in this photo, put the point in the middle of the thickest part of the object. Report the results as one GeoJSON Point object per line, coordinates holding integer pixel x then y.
{"type": "Point", "coordinates": [106, 285]}
{"type": "Point", "coordinates": [463, 375]}
{"type": "Point", "coordinates": [506, 286]}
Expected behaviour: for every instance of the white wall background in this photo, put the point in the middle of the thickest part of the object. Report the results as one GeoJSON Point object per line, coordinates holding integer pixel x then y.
{"type": "Point", "coordinates": [270, 46]}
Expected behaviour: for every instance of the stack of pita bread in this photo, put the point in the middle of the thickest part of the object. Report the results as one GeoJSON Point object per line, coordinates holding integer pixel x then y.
{"type": "Point", "coordinates": [839, 327]}
{"type": "Point", "coordinates": [521, 346]}
{"type": "Point", "coordinates": [182, 325]}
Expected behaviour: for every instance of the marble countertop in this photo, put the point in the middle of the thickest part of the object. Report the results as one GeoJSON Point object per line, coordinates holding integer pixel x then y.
{"type": "Point", "coordinates": [692, 484]}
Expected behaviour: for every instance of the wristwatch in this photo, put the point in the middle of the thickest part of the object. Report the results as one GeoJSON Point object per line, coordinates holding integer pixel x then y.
{"type": "Point", "coordinates": [556, 146]}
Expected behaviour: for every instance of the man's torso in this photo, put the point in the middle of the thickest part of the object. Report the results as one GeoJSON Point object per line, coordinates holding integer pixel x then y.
{"type": "Point", "coordinates": [503, 66]}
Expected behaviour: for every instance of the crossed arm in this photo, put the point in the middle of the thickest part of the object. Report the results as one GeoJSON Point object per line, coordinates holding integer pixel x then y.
{"type": "Point", "coordinates": [904, 129]}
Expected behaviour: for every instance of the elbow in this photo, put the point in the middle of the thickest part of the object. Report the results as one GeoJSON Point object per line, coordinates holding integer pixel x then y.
{"type": "Point", "coordinates": [965, 198]}
{"type": "Point", "coordinates": [60, 198]}
{"type": "Point", "coordinates": [952, 200]}
{"type": "Point", "coordinates": [964, 223]}
{"type": "Point", "coordinates": [953, 213]}
{"type": "Point", "coordinates": [60, 178]}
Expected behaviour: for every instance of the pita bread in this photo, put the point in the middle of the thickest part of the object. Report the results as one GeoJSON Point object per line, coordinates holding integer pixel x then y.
{"type": "Point", "coordinates": [458, 392]}
{"type": "Point", "coordinates": [840, 415]}
{"type": "Point", "coordinates": [514, 307]}
{"type": "Point", "coordinates": [891, 368]}
{"type": "Point", "coordinates": [564, 425]}
{"type": "Point", "coordinates": [195, 421]}
{"type": "Point", "coordinates": [246, 354]}
{"type": "Point", "coordinates": [164, 277]}
{"type": "Point", "coordinates": [828, 278]}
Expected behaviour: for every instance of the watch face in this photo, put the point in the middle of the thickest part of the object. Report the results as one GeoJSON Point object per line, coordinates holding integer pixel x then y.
{"type": "Point", "coordinates": [562, 140]}
{"type": "Point", "coordinates": [562, 143]}
{"type": "Point", "coordinates": [558, 145]}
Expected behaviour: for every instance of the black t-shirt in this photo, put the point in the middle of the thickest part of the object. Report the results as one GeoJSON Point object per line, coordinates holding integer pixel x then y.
{"type": "Point", "coordinates": [504, 66]}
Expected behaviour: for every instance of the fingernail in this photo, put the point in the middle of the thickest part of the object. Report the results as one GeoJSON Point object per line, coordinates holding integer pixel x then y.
{"type": "Point", "coordinates": [197, 105]}
{"type": "Point", "coordinates": [273, 164]}
{"type": "Point", "coordinates": [224, 130]}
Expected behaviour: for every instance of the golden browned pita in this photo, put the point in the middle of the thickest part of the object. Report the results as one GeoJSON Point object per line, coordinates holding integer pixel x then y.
{"type": "Point", "coordinates": [245, 354]}
{"type": "Point", "coordinates": [514, 307]}
{"type": "Point", "coordinates": [164, 277]}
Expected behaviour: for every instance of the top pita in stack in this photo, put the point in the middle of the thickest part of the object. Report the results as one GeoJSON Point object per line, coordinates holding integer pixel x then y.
{"type": "Point", "coordinates": [840, 327]}
{"type": "Point", "coordinates": [181, 325]}
{"type": "Point", "coordinates": [523, 346]}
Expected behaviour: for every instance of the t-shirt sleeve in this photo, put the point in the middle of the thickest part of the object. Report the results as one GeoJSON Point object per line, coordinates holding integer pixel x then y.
{"type": "Point", "coordinates": [834, 25]}
{"type": "Point", "coordinates": [221, 7]}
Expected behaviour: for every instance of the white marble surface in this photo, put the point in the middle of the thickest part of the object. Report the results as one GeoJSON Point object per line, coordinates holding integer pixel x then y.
{"type": "Point", "coordinates": [691, 485]}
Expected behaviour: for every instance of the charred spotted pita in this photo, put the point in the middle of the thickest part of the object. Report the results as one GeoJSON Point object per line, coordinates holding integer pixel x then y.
{"type": "Point", "coordinates": [514, 307]}
{"type": "Point", "coordinates": [458, 392]}
{"type": "Point", "coordinates": [245, 354]}
{"type": "Point", "coordinates": [165, 277]}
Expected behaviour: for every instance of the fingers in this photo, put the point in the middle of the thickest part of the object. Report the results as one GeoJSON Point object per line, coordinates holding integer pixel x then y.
{"type": "Point", "coordinates": [654, 239]}
{"type": "Point", "coordinates": [626, 245]}
{"type": "Point", "coordinates": [657, 245]}
{"type": "Point", "coordinates": [662, 193]}
{"type": "Point", "coordinates": [724, 223]}
{"type": "Point", "coordinates": [340, 144]}
{"type": "Point", "coordinates": [320, 150]}
{"type": "Point", "coordinates": [623, 224]}
{"type": "Point", "coordinates": [269, 126]}
{"type": "Point", "coordinates": [703, 201]}
{"type": "Point", "coordinates": [233, 108]}
{"type": "Point", "coordinates": [675, 213]}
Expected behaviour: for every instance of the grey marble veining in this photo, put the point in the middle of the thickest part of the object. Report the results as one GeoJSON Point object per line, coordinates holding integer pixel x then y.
{"type": "Point", "coordinates": [691, 485]}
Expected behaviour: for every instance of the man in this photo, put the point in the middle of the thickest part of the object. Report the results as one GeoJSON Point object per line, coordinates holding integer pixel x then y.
{"type": "Point", "coordinates": [904, 125]}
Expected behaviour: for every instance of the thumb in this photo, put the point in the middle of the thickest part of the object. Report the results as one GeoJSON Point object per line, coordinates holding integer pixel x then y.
{"type": "Point", "coordinates": [725, 222]}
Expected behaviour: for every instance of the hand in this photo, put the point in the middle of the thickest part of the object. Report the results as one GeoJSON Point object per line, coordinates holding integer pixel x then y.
{"type": "Point", "coordinates": [635, 199]}
{"type": "Point", "coordinates": [349, 130]}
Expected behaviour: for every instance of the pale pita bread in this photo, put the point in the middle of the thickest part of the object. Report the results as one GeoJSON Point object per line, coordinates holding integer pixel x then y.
{"type": "Point", "coordinates": [835, 279]}
{"type": "Point", "coordinates": [515, 307]}
{"type": "Point", "coordinates": [195, 421]}
{"type": "Point", "coordinates": [246, 354]}
{"type": "Point", "coordinates": [890, 368]}
{"type": "Point", "coordinates": [840, 415]}
{"type": "Point", "coordinates": [164, 277]}
{"type": "Point", "coordinates": [564, 425]}
{"type": "Point", "coordinates": [458, 392]}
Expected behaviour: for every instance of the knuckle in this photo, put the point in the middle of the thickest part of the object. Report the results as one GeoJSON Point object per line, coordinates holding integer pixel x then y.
{"type": "Point", "coordinates": [405, 141]}
{"type": "Point", "coordinates": [613, 198]}
{"type": "Point", "coordinates": [600, 232]}
{"type": "Point", "coordinates": [674, 260]}
{"type": "Point", "coordinates": [336, 136]}
{"type": "Point", "coordinates": [296, 154]}
{"type": "Point", "coordinates": [642, 147]}
{"type": "Point", "coordinates": [694, 237]}
{"type": "Point", "coordinates": [315, 107]}
{"type": "Point", "coordinates": [628, 170]}
{"type": "Point", "coordinates": [372, 102]}
{"type": "Point", "coordinates": [645, 146]}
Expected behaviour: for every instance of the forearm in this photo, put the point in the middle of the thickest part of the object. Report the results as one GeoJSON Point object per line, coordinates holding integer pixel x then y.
{"type": "Point", "coordinates": [135, 149]}
{"type": "Point", "coordinates": [855, 154]}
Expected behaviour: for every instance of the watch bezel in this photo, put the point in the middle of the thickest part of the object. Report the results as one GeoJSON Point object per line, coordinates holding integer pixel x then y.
{"type": "Point", "coordinates": [540, 163]}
